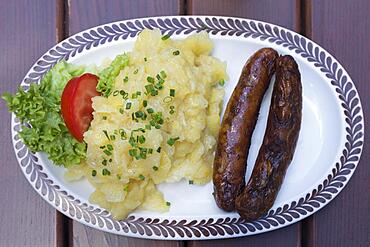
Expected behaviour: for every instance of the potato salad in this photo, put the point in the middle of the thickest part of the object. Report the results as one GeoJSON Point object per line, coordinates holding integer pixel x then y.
{"type": "Point", "coordinates": [149, 116]}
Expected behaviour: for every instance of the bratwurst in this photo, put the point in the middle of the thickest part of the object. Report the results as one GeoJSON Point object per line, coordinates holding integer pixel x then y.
{"type": "Point", "coordinates": [276, 152]}
{"type": "Point", "coordinates": [237, 127]}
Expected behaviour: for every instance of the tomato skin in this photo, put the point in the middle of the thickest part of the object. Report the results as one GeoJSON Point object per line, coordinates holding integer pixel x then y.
{"type": "Point", "coordinates": [76, 104]}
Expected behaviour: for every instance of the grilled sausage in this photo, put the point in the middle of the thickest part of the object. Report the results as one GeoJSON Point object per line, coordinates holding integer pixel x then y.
{"type": "Point", "coordinates": [278, 145]}
{"type": "Point", "coordinates": [237, 127]}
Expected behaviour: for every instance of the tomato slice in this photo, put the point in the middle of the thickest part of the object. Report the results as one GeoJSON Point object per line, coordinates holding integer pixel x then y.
{"type": "Point", "coordinates": [77, 105]}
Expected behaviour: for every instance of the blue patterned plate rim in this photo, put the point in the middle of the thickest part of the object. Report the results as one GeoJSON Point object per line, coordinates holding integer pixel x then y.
{"type": "Point", "coordinates": [211, 227]}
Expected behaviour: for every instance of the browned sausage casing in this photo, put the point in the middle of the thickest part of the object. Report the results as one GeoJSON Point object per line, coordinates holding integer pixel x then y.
{"type": "Point", "coordinates": [276, 152]}
{"type": "Point", "coordinates": [237, 127]}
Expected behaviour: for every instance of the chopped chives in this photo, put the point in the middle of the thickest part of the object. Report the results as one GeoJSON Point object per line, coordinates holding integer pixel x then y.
{"type": "Point", "coordinates": [102, 147]}
{"type": "Point", "coordinates": [222, 82]}
{"type": "Point", "coordinates": [132, 152]}
{"type": "Point", "coordinates": [145, 103]}
{"type": "Point", "coordinates": [125, 95]}
{"type": "Point", "coordinates": [135, 72]}
{"type": "Point", "coordinates": [112, 137]}
{"type": "Point", "coordinates": [172, 92]}
{"type": "Point", "coordinates": [132, 142]}
{"type": "Point", "coordinates": [141, 177]}
{"type": "Point", "coordinates": [106, 134]}
{"type": "Point", "coordinates": [143, 152]}
{"type": "Point", "coordinates": [150, 150]}
{"type": "Point", "coordinates": [109, 147]}
{"type": "Point", "coordinates": [148, 127]}
{"type": "Point", "coordinates": [176, 53]}
{"type": "Point", "coordinates": [128, 105]}
{"type": "Point", "coordinates": [150, 110]}
{"type": "Point", "coordinates": [105, 172]}
{"type": "Point", "coordinates": [125, 188]}
{"type": "Point", "coordinates": [104, 117]}
{"type": "Point", "coordinates": [93, 173]}
{"type": "Point", "coordinates": [139, 114]}
{"type": "Point", "coordinates": [155, 168]}
{"type": "Point", "coordinates": [139, 129]}
{"type": "Point", "coordinates": [168, 204]}
{"type": "Point", "coordinates": [172, 141]}
{"type": "Point", "coordinates": [163, 74]}
{"type": "Point", "coordinates": [160, 79]}
{"type": "Point", "coordinates": [159, 149]}
{"type": "Point", "coordinates": [145, 59]}
{"type": "Point", "coordinates": [150, 79]}
{"type": "Point", "coordinates": [165, 37]}
{"type": "Point", "coordinates": [115, 93]}
{"type": "Point", "coordinates": [149, 89]}
{"type": "Point", "coordinates": [141, 139]}
{"type": "Point", "coordinates": [191, 182]}
{"type": "Point", "coordinates": [107, 152]}
{"type": "Point", "coordinates": [158, 86]}
{"type": "Point", "coordinates": [122, 132]}
{"type": "Point", "coordinates": [154, 93]}
{"type": "Point", "coordinates": [157, 118]}
{"type": "Point", "coordinates": [121, 110]}
{"type": "Point", "coordinates": [125, 80]}
{"type": "Point", "coordinates": [104, 162]}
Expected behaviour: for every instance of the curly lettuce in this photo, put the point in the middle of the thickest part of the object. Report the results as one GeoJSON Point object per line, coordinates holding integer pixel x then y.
{"type": "Point", "coordinates": [108, 75]}
{"type": "Point", "coordinates": [40, 112]}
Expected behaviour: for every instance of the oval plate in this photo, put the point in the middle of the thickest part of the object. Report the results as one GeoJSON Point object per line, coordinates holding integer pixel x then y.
{"type": "Point", "coordinates": [327, 153]}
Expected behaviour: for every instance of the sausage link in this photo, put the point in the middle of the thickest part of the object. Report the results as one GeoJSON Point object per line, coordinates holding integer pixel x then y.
{"type": "Point", "coordinates": [237, 127]}
{"type": "Point", "coordinates": [276, 152]}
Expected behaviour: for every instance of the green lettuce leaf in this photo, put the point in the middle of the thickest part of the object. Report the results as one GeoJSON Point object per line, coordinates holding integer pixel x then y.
{"type": "Point", "coordinates": [108, 75]}
{"type": "Point", "coordinates": [39, 110]}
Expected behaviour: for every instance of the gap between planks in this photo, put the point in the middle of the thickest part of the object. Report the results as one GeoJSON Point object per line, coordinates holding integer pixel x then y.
{"type": "Point", "coordinates": [304, 27]}
{"type": "Point", "coordinates": [64, 225]}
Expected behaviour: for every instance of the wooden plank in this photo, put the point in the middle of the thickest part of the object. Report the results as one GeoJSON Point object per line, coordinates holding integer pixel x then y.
{"type": "Point", "coordinates": [88, 237]}
{"type": "Point", "coordinates": [98, 13]}
{"type": "Point", "coordinates": [27, 31]}
{"type": "Point", "coordinates": [279, 238]}
{"type": "Point", "coordinates": [342, 27]}
{"type": "Point", "coordinates": [284, 13]}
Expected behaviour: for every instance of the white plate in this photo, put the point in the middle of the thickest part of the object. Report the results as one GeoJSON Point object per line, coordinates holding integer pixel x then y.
{"type": "Point", "coordinates": [327, 153]}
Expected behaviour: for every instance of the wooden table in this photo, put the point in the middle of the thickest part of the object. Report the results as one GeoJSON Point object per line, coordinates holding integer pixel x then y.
{"type": "Point", "coordinates": [29, 28]}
